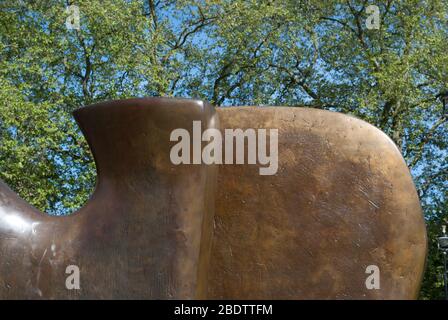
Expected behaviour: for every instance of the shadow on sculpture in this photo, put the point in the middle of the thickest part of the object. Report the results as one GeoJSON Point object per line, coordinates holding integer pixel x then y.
{"type": "Point", "coordinates": [341, 200]}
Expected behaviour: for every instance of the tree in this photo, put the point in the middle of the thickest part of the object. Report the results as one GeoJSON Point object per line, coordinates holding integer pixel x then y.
{"type": "Point", "coordinates": [311, 53]}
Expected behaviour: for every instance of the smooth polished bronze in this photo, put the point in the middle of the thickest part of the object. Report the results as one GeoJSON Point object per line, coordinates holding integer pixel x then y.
{"type": "Point", "coordinates": [145, 232]}
{"type": "Point", "coordinates": [342, 200]}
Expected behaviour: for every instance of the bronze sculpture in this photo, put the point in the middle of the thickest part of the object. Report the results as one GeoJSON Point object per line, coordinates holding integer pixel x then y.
{"type": "Point", "coordinates": [342, 199]}
{"type": "Point", "coordinates": [145, 232]}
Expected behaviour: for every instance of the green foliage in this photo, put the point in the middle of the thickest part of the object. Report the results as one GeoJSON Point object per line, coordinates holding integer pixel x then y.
{"type": "Point", "coordinates": [432, 287]}
{"type": "Point", "coordinates": [300, 53]}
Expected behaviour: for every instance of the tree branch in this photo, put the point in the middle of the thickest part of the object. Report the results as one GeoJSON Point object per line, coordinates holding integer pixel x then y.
{"type": "Point", "coordinates": [425, 139]}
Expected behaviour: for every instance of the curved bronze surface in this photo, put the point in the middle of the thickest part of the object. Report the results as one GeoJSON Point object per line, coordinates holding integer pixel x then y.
{"type": "Point", "coordinates": [145, 231]}
{"type": "Point", "coordinates": [342, 199]}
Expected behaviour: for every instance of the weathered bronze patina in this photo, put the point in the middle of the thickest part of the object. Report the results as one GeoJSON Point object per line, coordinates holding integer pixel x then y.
{"type": "Point", "coordinates": [342, 200]}
{"type": "Point", "coordinates": [144, 234]}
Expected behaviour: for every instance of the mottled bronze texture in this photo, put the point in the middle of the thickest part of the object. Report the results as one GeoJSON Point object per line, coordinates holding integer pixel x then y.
{"type": "Point", "coordinates": [145, 232]}
{"type": "Point", "coordinates": [342, 199]}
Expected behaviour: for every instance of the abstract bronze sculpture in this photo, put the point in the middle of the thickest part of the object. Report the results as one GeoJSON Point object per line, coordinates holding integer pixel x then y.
{"type": "Point", "coordinates": [145, 232]}
{"type": "Point", "coordinates": [342, 200]}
